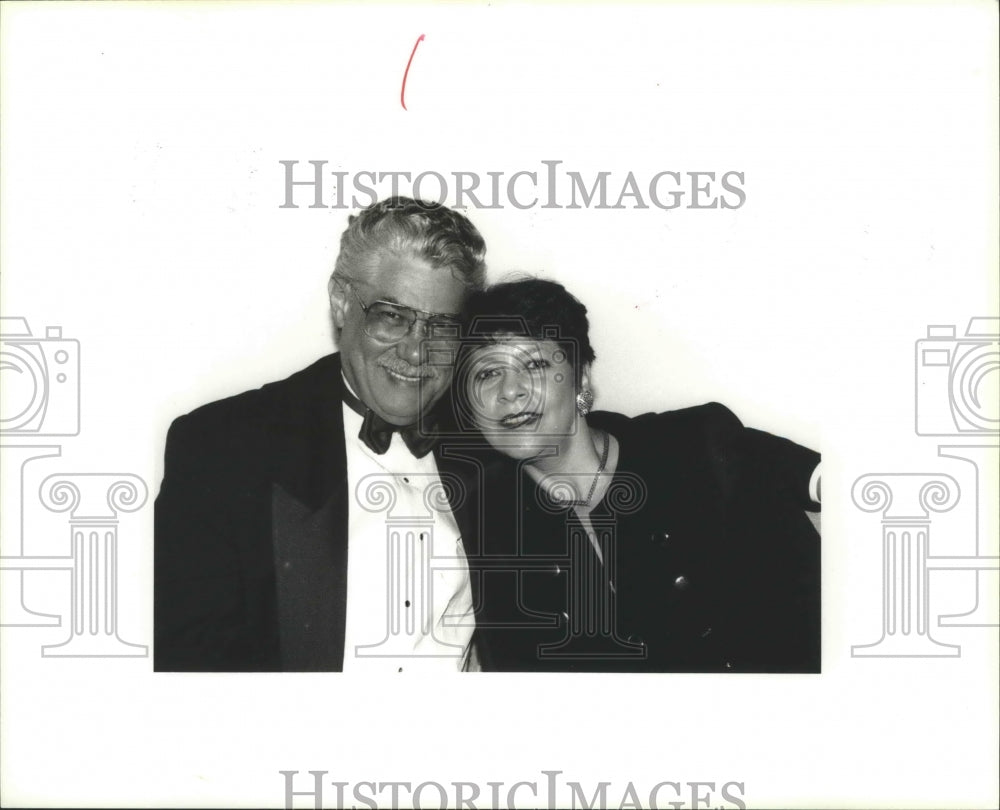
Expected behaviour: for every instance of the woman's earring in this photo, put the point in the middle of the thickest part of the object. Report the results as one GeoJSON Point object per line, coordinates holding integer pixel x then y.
{"type": "Point", "coordinates": [584, 401]}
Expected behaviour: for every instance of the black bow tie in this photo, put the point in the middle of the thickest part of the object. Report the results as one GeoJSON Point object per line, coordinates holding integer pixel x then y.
{"type": "Point", "coordinates": [376, 433]}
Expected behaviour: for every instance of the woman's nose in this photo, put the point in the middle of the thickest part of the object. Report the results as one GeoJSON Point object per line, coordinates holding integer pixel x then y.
{"type": "Point", "coordinates": [514, 386]}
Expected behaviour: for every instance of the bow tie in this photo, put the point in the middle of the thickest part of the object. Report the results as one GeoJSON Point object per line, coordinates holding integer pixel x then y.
{"type": "Point", "coordinates": [376, 433]}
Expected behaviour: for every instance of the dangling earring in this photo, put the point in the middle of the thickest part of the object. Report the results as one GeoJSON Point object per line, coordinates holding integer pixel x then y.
{"type": "Point", "coordinates": [584, 401]}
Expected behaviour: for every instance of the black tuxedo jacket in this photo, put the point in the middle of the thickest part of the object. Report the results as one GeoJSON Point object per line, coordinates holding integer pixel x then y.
{"type": "Point", "coordinates": [251, 530]}
{"type": "Point", "coordinates": [715, 564]}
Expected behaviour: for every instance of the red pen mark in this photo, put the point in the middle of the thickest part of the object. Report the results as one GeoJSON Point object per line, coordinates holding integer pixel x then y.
{"type": "Point", "coordinates": [402, 92]}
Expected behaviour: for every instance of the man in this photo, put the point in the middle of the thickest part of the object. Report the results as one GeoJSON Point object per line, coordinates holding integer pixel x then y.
{"type": "Point", "coordinates": [295, 522]}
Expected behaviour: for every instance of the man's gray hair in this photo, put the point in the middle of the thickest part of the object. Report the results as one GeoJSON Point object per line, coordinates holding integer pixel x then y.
{"type": "Point", "coordinates": [406, 227]}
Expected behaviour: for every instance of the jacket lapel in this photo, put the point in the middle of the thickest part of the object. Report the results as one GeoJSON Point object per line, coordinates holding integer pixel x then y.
{"type": "Point", "coordinates": [459, 475]}
{"type": "Point", "coordinates": [309, 511]}
{"type": "Point", "coordinates": [310, 563]}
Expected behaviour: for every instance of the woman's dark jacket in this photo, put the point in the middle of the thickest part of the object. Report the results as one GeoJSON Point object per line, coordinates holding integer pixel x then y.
{"type": "Point", "coordinates": [710, 561]}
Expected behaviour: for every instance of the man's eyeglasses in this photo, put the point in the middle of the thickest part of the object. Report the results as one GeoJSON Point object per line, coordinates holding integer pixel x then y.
{"type": "Point", "coordinates": [389, 323]}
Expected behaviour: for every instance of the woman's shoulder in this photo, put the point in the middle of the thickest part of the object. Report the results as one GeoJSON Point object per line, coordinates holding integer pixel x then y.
{"type": "Point", "coordinates": [679, 442]}
{"type": "Point", "coordinates": [712, 417]}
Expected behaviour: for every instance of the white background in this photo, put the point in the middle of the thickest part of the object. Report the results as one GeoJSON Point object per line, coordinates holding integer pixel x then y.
{"type": "Point", "coordinates": [140, 202]}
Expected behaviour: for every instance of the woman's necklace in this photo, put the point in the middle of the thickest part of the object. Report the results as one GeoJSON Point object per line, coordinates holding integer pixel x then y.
{"type": "Point", "coordinates": [597, 475]}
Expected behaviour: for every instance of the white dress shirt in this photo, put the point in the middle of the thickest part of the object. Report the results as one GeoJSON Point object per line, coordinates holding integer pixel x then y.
{"type": "Point", "coordinates": [409, 598]}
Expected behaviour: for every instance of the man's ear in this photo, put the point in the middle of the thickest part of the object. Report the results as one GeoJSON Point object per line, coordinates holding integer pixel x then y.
{"type": "Point", "coordinates": [338, 300]}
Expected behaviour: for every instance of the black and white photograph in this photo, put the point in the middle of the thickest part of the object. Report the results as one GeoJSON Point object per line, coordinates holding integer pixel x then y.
{"type": "Point", "coordinates": [495, 405]}
{"type": "Point", "coordinates": [343, 518]}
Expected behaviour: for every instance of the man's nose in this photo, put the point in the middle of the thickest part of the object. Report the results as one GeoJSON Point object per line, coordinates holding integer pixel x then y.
{"type": "Point", "coordinates": [412, 347]}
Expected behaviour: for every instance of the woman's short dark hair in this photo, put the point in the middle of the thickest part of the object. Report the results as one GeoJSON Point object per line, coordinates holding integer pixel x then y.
{"type": "Point", "coordinates": [532, 308]}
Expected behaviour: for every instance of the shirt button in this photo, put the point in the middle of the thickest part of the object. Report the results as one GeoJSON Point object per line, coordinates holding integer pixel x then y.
{"type": "Point", "coordinates": [681, 583]}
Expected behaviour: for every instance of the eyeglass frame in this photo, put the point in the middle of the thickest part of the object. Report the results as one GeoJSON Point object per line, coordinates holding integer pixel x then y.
{"type": "Point", "coordinates": [452, 320]}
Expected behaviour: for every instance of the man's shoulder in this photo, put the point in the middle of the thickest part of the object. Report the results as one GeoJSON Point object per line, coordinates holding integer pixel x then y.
{"type": "Point", "coordinates": [299, 402]}
{"type": "Point", "coordinates": [303, 389]}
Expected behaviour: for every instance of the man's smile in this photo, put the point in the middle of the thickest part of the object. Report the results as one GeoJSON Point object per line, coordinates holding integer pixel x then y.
{"type": "Point", "coordinates": [407, 374]}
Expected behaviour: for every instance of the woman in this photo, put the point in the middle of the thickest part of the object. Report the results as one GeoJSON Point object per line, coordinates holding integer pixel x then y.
{"type": "Point", "coordinates": [663, 542]}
